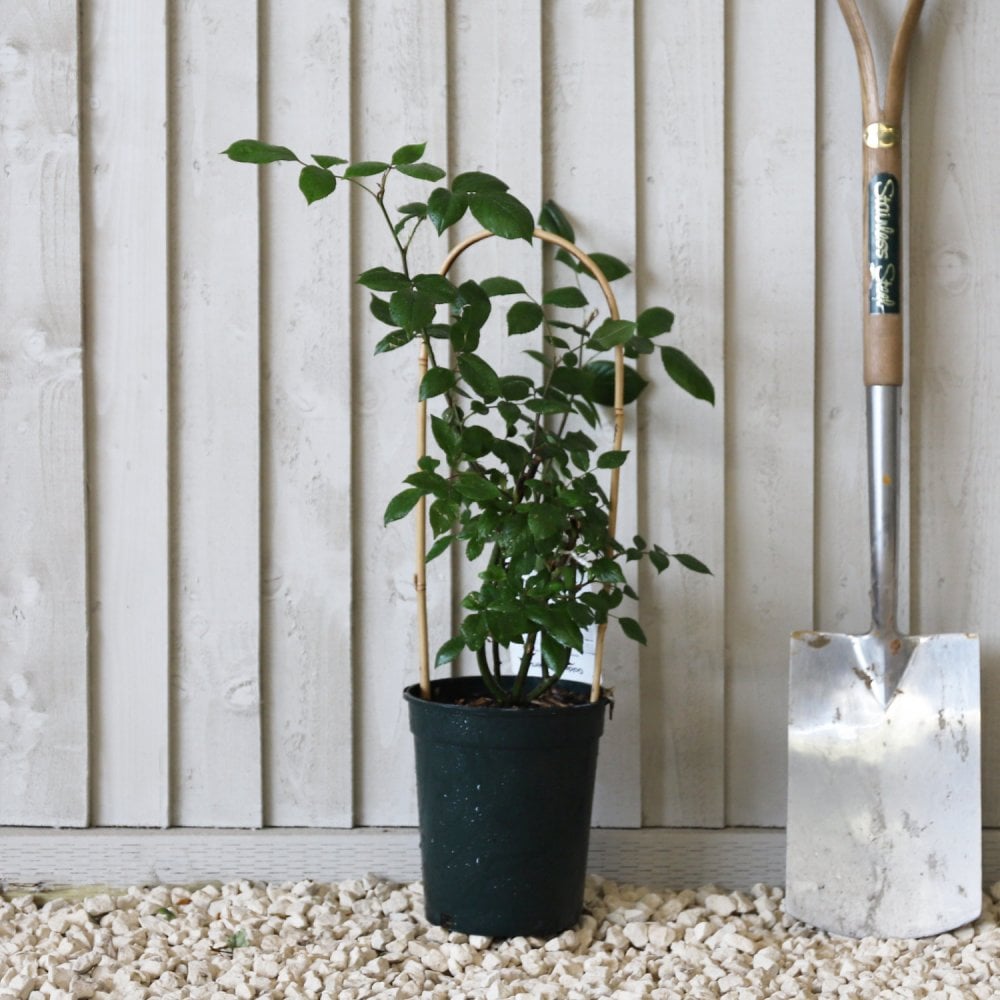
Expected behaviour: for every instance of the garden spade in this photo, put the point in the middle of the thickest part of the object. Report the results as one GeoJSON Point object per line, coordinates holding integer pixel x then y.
{"type": "Point", "coordinates": [884, 824]}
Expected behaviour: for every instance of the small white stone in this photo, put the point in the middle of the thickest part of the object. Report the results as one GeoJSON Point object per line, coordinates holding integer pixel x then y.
{"type": "Point", "coordinates": [723, 906]}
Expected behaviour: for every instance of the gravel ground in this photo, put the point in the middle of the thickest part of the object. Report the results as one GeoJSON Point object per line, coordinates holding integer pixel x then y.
{"type": "Point", "coordinates": [367, 938]}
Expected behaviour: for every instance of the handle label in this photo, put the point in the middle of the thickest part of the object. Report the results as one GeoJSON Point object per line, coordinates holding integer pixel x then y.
{"type": "Point", "coordinates": [884, 290]}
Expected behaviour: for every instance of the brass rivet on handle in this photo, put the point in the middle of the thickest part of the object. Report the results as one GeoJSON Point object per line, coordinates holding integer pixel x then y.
{"type": "Point", "coordinates": [878, 135]}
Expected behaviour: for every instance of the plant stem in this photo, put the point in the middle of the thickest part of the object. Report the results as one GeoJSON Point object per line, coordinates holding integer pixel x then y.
{"type": "Point", "coordinates": [491, 685]}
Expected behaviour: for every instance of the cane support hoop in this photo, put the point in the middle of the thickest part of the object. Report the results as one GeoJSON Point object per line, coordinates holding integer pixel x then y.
{"type": "Point", "coordinates": [420, 577]}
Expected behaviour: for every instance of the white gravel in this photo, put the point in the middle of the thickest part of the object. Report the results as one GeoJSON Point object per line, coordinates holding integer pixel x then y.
{"type": "Point", "coordinates": [368, 938]}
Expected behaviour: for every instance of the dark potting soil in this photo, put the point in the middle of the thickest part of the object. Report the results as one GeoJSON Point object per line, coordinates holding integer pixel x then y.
{"type": "Point", "coordinates": [553, 698]}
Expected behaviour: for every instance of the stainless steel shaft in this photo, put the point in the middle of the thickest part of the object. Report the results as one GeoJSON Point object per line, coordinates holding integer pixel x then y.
{"type": "Point", "coordinates": [883, 506]}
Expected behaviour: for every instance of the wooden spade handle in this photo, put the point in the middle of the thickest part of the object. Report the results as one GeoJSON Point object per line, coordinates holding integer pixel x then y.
{"type": "Point", "coordinates": [882, 179]}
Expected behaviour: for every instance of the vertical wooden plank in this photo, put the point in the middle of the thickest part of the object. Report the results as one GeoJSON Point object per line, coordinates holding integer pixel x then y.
{"type": "Point", "coordinates": [495, 90]}
{"type": "Point", "coordinates": [400, 77]}
{"type": "Point", "coordinates": [590, 110]}
{"type": "Point", "coordinates": [955, 356]}
{"type": "Point", "coordinates": [770, 269]}
{"type": "Point", "coordinates": [306, 434]}
{"type": "Point", "coordinates": [216, 731]}
{"type": "Point", "coordinates": [681, 224]}
{"type": "Point", "coordinates": [43, 628]}
{"type": "Point", "coordinates": [126, 315]}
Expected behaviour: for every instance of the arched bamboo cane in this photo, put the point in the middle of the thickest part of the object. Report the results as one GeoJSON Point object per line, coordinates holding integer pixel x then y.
{"type": "Point", "coordinates": [420, 577]}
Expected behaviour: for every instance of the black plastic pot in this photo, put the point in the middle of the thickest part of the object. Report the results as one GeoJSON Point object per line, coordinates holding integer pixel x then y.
{"type": "Point", "coordinates": [504, 796]}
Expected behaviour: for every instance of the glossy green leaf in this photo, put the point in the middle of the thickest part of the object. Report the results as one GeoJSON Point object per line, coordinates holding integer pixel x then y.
{"type": "Point", "coordinates": [392, 341]}
{"type": "Point", "coordinates": [687, 374]}
{"type": "Point", "coordinates": [438, 547]}
{"type": "Point", "coordinates": [612, 459]}
{"type": "Point", "coordinates": [502, 286]}
{"type": "Point", "coordinates": [316, 183]}
{"type": "Point", "coordinates": [654, 321]}
{"type": "Point", "coordinates": [659, 559]}
{"type": "Point", "coordinates": [444, 209]}
{"type": "Point", "coordinates": [544, 520]}
{"type": "Point", "coordinates": [436, 287]}
{"type": "Point", "coordinates": [328, 161]}
{"type": "Point", "coordinates": [689, 562]}
{"type": "Point", "coordinates": [475, 181]}
{"type": "Point", "coordinates": [413, 210]}
{"type": "Point", "coordinates": [255, 151]}
{"type": "Point", "coordinates": [379, 308]}
{"type": "Point", "coordinates": [523, 317]}
{"type": "Point", "coordinates": [603, 391]}
{"type": "Point", "coordinates": [366, 168]}
{"type": "Point", "coordinates": [411, 308]}
{"type": "Point", "coordinates": [611, 267]}
{"type": "Point", "coordinates": [475, 487]}
{"type": "Point", "coordinates": [408, 154]}
{"type": "Point", "coordinates": [633, 630]}
{"type": "Point", "coordinates": [449, 651]}
{"type": "Point", "coordinates": [612, 332]}
{"type": "Point", "coordinates": [480, 377]}
{"type": "Point", "coordinates": [421, 171]}
{"type": "Point", "coordinates": [568, 297]}
{"type": "Point", "coordinates": [401, 504]}
{"type": "Point", "coordinates": [502, 214]}
{"type": "Point", "coordinates": [436, 382]}
{"type": "Point", "coordinates": [516, 387]}
{"type": "Point", "coordinates": [553, 220]}
{"type": "Point", "coordinates": [381, 279]}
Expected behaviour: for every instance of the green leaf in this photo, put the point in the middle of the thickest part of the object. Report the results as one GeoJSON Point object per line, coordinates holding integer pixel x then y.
{"type": "Point", "coordinates": [445, 434]}
{"type": "Point", "coordinates": [381, 279]}
{"type": "Point", "coordinates": [539, 357]}
{"type": "Point", "coordinates": [366, 168]}
{"type": "Point", "coordinates": [473, 305]}
{"type": "Point", "coordinates": [437, 287]}
{"type": "Point", "coordinates": [632, 629]}
{"type": "Point", "coordinates": [444, 209]}
{"type": "Point", "coordinates": [502, 214]}
{"type": "Point", "coordinates": [548, 406]}
{"type": "Point", "coordinates": [659, 559]}
{"type": "Point", "coordinates": [502, 286]}
{"type": "Point", "coordinates": [544, 520]}
{"type": "Point", "coordinates": [569, 297]}
{"type": "Point", "coordinates": [401, 504]}
{"type": "Point", "coordinates": [689, 562]}
{"type": "Point", "coordinates": [413, 210]}
{"type": "Point", "coordinates": [611, 267]}
{"type": "Point", "coordinates": [255, 151]}
{"type": "Point", "coordinates": [603, 391]}
{"type": "Point", "coordinates": [316, 183]}
{"type": "Point", "coordinates": [436, 382]}
{"type": "Point", "coordinates": [392, 341]}
{"type": "Point", "coordinates": [379, 308]}
{"type": "Point", "coordinates": [476, 441]}
{"type": "Point", "coordinates": [611, 333]}
{"type": "Point", "coordinates": [555, 654]}
{"type": "Point", "coordinates": [408, 154]}
{"type": "Point", "coordinates": [449, 651]}
{"type": "Point", "coordinates": [515, 387]}
{"type": "Point", "coordinates": [475, 487]}
{"type": "Point", "coordinates": [605, 570]}
{"type": "Point", "coordinates": [438, 547]}
{"type": "Point", "coordinates": [654, 321]}
{"type": "Point", "coordinates": [328, 161]}
{"type": "Point", "coordinates": [483, 380]}
{"type": "Point", "coordinates": [553, 220]}
{"type": "Point", "coordinates": [523, 317]}
{"type": "Point", "coordinates": [612, 459]}
{"type": "Point", "coordinates": [475, 181]}
{"type": "Point", "coordinates": [421, 171]}
{"type": "Point", "coordinates": [687, 374]}
{"type": "Point", "coordinates": [411, 308]}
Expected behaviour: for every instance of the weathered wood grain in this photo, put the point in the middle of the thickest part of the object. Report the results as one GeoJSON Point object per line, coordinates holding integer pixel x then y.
{"type": "Point", "coordinates": [680, 188]}
{"type": "Point", "coordinates": [770, 301]}
{"type": "Point", "coordinates": [126, 275]}
{"type": "Point", "coordinates": [590, 90]}
{"type": "Point", "coordinates": [400, 71]}
{"type": "Point", "coordinates": [215, 428]}
{"type": "Point", "coordinates": [307, 642]}
{"type": "Point", "coordinates": [44, 744]}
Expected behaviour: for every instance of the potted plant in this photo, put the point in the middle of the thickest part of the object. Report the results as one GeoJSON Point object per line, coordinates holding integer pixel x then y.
{"type": "Point", "coordinates": [506, 759]}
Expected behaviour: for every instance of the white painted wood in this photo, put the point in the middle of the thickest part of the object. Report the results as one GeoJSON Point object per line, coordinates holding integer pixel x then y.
{"type": "Point", "coordinates": [955, 357]}
{"type": "Point", "coordinates": [307, 645]}
{"type": "Point", "coordinates": [770, 264]}
{"type": "Point", "coordinates": [43, 625]}
{"type": "Point", "coordinates": [216, 470]}
{"type": "Point", "coordinates": [495, 92]}
{"type": "Point", "coordinates": [125, 170]}
{"type": "Point", "coordinates": [680, 189]}
{"type": "Point", "coordinates": [590, 91]}
{"type": "Point", "coordinates": [400, 76]}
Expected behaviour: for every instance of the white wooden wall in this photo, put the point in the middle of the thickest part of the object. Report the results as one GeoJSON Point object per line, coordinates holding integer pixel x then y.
{"type": "Point", "coordinates": [202, 620]}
